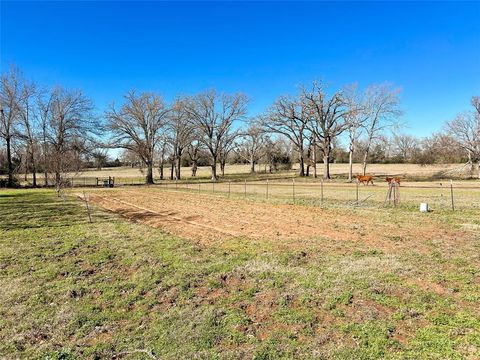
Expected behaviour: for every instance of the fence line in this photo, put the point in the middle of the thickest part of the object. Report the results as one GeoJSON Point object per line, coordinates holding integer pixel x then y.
{"type": "Point", "coordinates": [445, 195]}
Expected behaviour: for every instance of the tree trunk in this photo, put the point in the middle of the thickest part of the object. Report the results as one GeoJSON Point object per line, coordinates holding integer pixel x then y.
{"type": "Point", "coordinates": [350, 164]}
{"type": "Point", "coordinates": [149, 178]}
{"type": "Point", "coordinates": [177, 167]}
{"type": "Point", "coordinates": [222, 167]}
{"type": "Point", "coordinates": [326, 165]}
{"type": "Point", "coordinates": [58, 180]}
{"type": "Point", "coordinates": [194, 168]}
{"type": "Point", "coordinates": [365, 157]}
{"type": "Point", "coordinates": [34, 174]}
{"type": "Point", "coordinates": [470, 161]}
{"type": "Point", "coordinates": [171, 170]}
{"type": "Point", "coordinates": [326, 158]}
{"type": "Point", "coordinates": [214, 171]}
{"type": "Point", "coordinates": [160, 168]}
{"type": "Point", "coordinates": [9, 160]}
{"type": "Point", "coordinates": [301, 171]}
{"type": "Point", "coordinates": [252, 165]}
{"type": "Point", "coordinates": [25, 177]}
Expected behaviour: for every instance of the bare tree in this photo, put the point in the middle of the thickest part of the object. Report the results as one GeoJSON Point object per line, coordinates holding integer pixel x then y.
{"type": "Point", "coordinates": [288, 117]}
{"type": "Point", "coordinates": [163, 149]}
{"type": "Point", "coordinates": [327, 116]}
{"type": "Point", "coordinates": [10, 98]}
{"type": "Point", "coordinates": [193, 151]}
{"type": "Point", "coordinates": [466, 130]}
{"type": "Point", "coordinates": [382, 106]}
{"type": "Point", "coordinates": [213, 117]}
{"type": "Point", "coordinates": [29, 128]}
{"type": "Point", "coordinates": [406, 147]}
{"type": "Point", "coordinates": [180, 130]}
{"type": "Point", "coordinates": [251, 145]}
{"type": "Point", "coordinates": [226, 147]}
{"type": "Point", "coordinates": [100, 157]}
{"type": "Point", "coordinates": [356, 117]}
{"type": "Point", "coordinates": [136, 126]}
{"type": "Point", "coordinates": [44, 101]}
{"type": "Point", "coordinates": [70, 123]}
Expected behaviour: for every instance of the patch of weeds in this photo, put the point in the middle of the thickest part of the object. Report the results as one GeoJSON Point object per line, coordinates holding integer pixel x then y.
{"type": "Point", "coordinates": [344, 298]}
{"type": "Point", "coordinates": [374, 339]}
{"type": "Point", "coordinates": [371, 252]}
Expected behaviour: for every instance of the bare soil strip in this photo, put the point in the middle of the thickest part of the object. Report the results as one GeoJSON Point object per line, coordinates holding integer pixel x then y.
{"type": "Point", "coordinates": [206, 218]}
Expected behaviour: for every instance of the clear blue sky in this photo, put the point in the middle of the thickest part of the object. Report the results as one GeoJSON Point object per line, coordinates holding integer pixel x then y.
{"type": "Point", "coordinates": [431, 50]}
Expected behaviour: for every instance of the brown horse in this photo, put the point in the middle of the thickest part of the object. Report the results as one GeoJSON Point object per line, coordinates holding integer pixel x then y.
{"type": "Point", "coordinates": [394, 179]}
{"type": "Point", "coordinates": [365, 179]}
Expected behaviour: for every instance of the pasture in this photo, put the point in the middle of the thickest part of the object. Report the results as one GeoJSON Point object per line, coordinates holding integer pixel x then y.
{"type": "Point", "coordinates": [128, 175]}
{"type": "Point", "coordinates": [168, 272]}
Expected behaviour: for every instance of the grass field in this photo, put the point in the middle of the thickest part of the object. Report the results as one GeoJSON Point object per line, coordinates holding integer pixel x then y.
{"type": "Point", "coordinates": [411, 172]}
{"type": "Point", "coordinates": [173, 274]}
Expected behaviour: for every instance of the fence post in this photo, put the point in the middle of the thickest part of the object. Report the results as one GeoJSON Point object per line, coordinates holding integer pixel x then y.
{"type": "Point", "coordinates": [293, 190]}
{"type": "Point", "coordinates": [451, 193]}
{"type": "Point", "coordinates": [245, 189]}
{"type": "Point", "coordinates": [267, 188]}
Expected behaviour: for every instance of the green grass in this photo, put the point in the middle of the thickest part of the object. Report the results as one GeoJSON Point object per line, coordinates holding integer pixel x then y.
{"type": "Point", "coordinates": [71, 289]}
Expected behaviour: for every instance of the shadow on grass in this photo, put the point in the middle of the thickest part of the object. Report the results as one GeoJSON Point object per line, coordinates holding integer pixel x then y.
{"type": "Point", "coordinates": [28, 210]}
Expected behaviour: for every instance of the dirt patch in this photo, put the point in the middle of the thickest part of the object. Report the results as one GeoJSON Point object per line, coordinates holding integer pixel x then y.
{"type": "Point", "coordinates": [205, 218]}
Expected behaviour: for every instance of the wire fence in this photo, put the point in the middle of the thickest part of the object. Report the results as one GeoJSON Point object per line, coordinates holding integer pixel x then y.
{"type": "Point", "coordinates": [445, 195]}
{"type": "Point", "coordinates": [439, 196]}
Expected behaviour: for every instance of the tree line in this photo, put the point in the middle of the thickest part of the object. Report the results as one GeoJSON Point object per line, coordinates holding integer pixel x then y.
{"type": "Point", "coordinates": [54, 131]}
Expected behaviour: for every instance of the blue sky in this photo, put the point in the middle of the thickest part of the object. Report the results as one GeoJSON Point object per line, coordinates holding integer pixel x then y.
{"type": "Point", "coordinates": [429, 49]}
